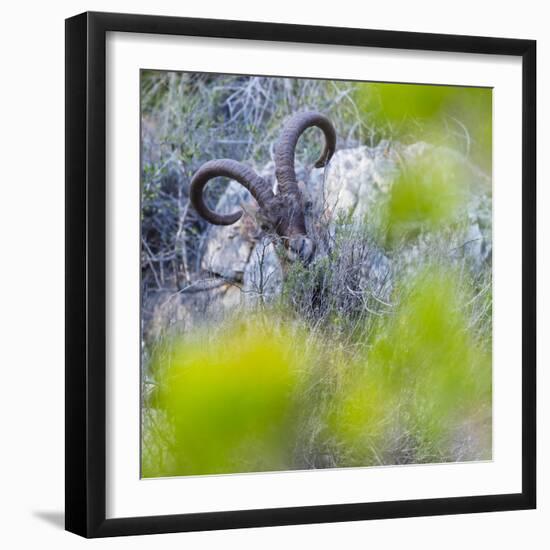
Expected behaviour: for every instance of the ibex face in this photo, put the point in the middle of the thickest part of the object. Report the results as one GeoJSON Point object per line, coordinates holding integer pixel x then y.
{"type": "Point", "coordinates": [292, 229]}
{"type": "Point", "coordinates": [283, 211]}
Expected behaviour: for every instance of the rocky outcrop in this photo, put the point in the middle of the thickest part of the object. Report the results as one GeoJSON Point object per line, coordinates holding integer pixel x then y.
{"type": "Point", "coordinates": [359, 180]}
{"type": "Point", "coordinates": [354, 185]}
{"type": "Point", "coordinates": [228, 248]}
{"type": "Point", "coordinates": [241, 262]}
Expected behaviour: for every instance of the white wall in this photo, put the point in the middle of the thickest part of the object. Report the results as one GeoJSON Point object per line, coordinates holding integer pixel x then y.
{"type": "Point", "coordinates": [31, 299]}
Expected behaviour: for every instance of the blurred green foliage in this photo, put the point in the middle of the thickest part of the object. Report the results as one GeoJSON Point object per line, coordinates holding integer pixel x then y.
{"type": "Point", "coordinates": [424, 377]}
{"type": "Point", "coordinates": [240, 398]}
{"type": "Point", "coordinates": [228, 399]}
{"type": "Point", "coordinates": [459, 117]}
{"type": "Point", "coordinates": [428, 194]}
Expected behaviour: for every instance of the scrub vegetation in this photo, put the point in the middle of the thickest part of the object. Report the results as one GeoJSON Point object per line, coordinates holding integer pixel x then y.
{"type": "Point", "coordinates": [378, 352]}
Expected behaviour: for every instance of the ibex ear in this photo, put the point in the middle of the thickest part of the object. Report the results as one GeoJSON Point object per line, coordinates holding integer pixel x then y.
{"type": "Point", "coordinates": [263, 221]}
{"type": "Point", "coordinates": [306, 195]}
{"type": "Point", "coordinates": [300, 248]}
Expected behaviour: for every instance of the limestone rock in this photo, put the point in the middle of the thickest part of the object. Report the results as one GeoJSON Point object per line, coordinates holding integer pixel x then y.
{"type": "Point", "coordinates": [263, 275]}
{"type": "Point", "coordinates": [242, 266]}
{"type": "Point", "coordinates": [357, 181]}
{"type": "Point", "coordinates": [228, 247]}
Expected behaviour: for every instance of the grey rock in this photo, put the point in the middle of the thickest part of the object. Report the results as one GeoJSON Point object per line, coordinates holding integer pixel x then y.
{"type": "Point", "coordinates": [358, 180]}
{"type": "Point", "coordinates": [263, 275]}
{"type": "Point", "coordinates": [228, 247]}
{"type": "Point", "coordinates": [242, 263]}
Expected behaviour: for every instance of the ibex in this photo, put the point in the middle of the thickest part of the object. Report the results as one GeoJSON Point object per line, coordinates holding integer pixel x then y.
{"type": "Point", "coordinates": [283, 211]}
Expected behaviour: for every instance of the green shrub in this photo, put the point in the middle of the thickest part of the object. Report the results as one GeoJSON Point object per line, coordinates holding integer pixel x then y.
{"type": "Point", "coordinates": [459, 117]}
{"type": "Point", "coordinates": [227, 400]}
{"type": "Point", "coordinates": [424, 380]}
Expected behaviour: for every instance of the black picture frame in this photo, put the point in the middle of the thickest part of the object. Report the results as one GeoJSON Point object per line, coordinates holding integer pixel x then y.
{"type": "Point", "coordinates": [86, 274]}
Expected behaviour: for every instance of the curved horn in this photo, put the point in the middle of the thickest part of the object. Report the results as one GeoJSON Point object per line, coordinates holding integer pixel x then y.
{"type": "Point", "coordinates": [257, 186]}
{"type": "Point", "coordinates": [286, 147]}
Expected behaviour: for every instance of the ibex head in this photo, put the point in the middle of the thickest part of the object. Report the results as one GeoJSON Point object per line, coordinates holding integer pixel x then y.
{"type": "Point", "coordinates": [283, 211]}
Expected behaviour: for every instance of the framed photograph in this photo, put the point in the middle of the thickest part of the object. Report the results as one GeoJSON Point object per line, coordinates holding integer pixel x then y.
{"type": "Point", "coordinates": [300, 275]}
